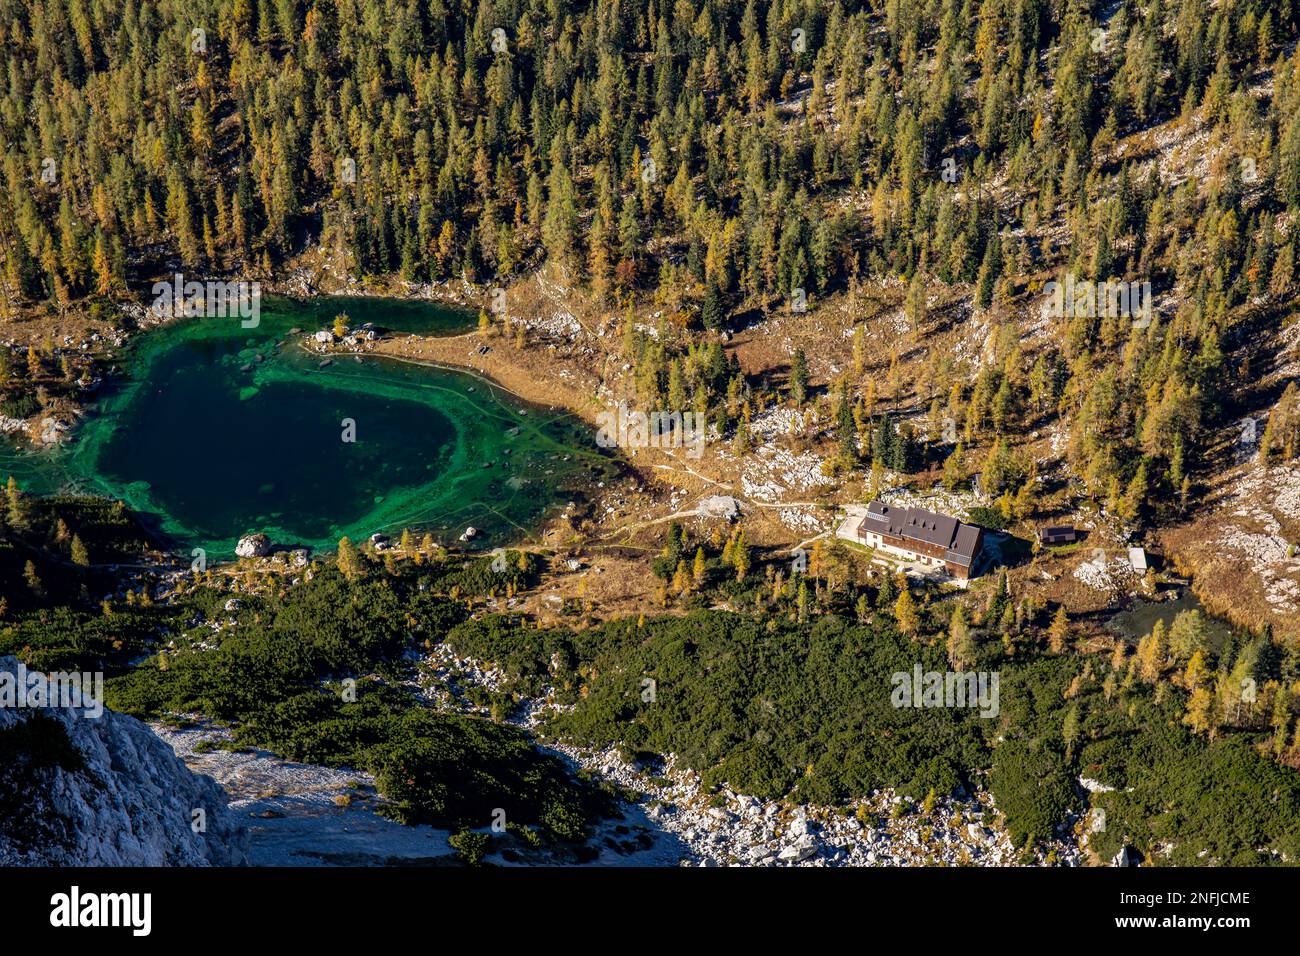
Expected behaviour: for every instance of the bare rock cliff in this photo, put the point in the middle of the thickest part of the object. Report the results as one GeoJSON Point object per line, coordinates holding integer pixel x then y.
{"type": "Point", "coordinates": [84, 790]}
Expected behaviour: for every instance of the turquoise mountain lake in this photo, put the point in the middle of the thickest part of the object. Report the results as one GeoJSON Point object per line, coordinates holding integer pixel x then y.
{"type": "Point", "coordinates": [218, 431]}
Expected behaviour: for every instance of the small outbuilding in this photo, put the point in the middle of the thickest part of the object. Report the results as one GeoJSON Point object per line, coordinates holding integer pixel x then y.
{"type": "Point", "coordinates": [1058, 534]}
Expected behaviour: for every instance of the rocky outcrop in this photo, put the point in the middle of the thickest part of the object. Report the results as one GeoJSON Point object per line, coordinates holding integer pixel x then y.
{"type": "Point", "coordinates": [1127, 856]}
{"type": "Point", "coordinates": [84, 790]}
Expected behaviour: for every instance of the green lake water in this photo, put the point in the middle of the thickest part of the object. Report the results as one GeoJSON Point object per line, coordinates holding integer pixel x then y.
{"type": "Point", "coordinates": [217, 431]}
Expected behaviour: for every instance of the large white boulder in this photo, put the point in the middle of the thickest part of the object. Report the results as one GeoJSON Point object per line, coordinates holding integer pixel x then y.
{"type": "Point", "coordinates": [719, 506]}
{"type": "Point", "coordinates": [797, 852]}
{"type": "Point", "coordinates": [253, 546]}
